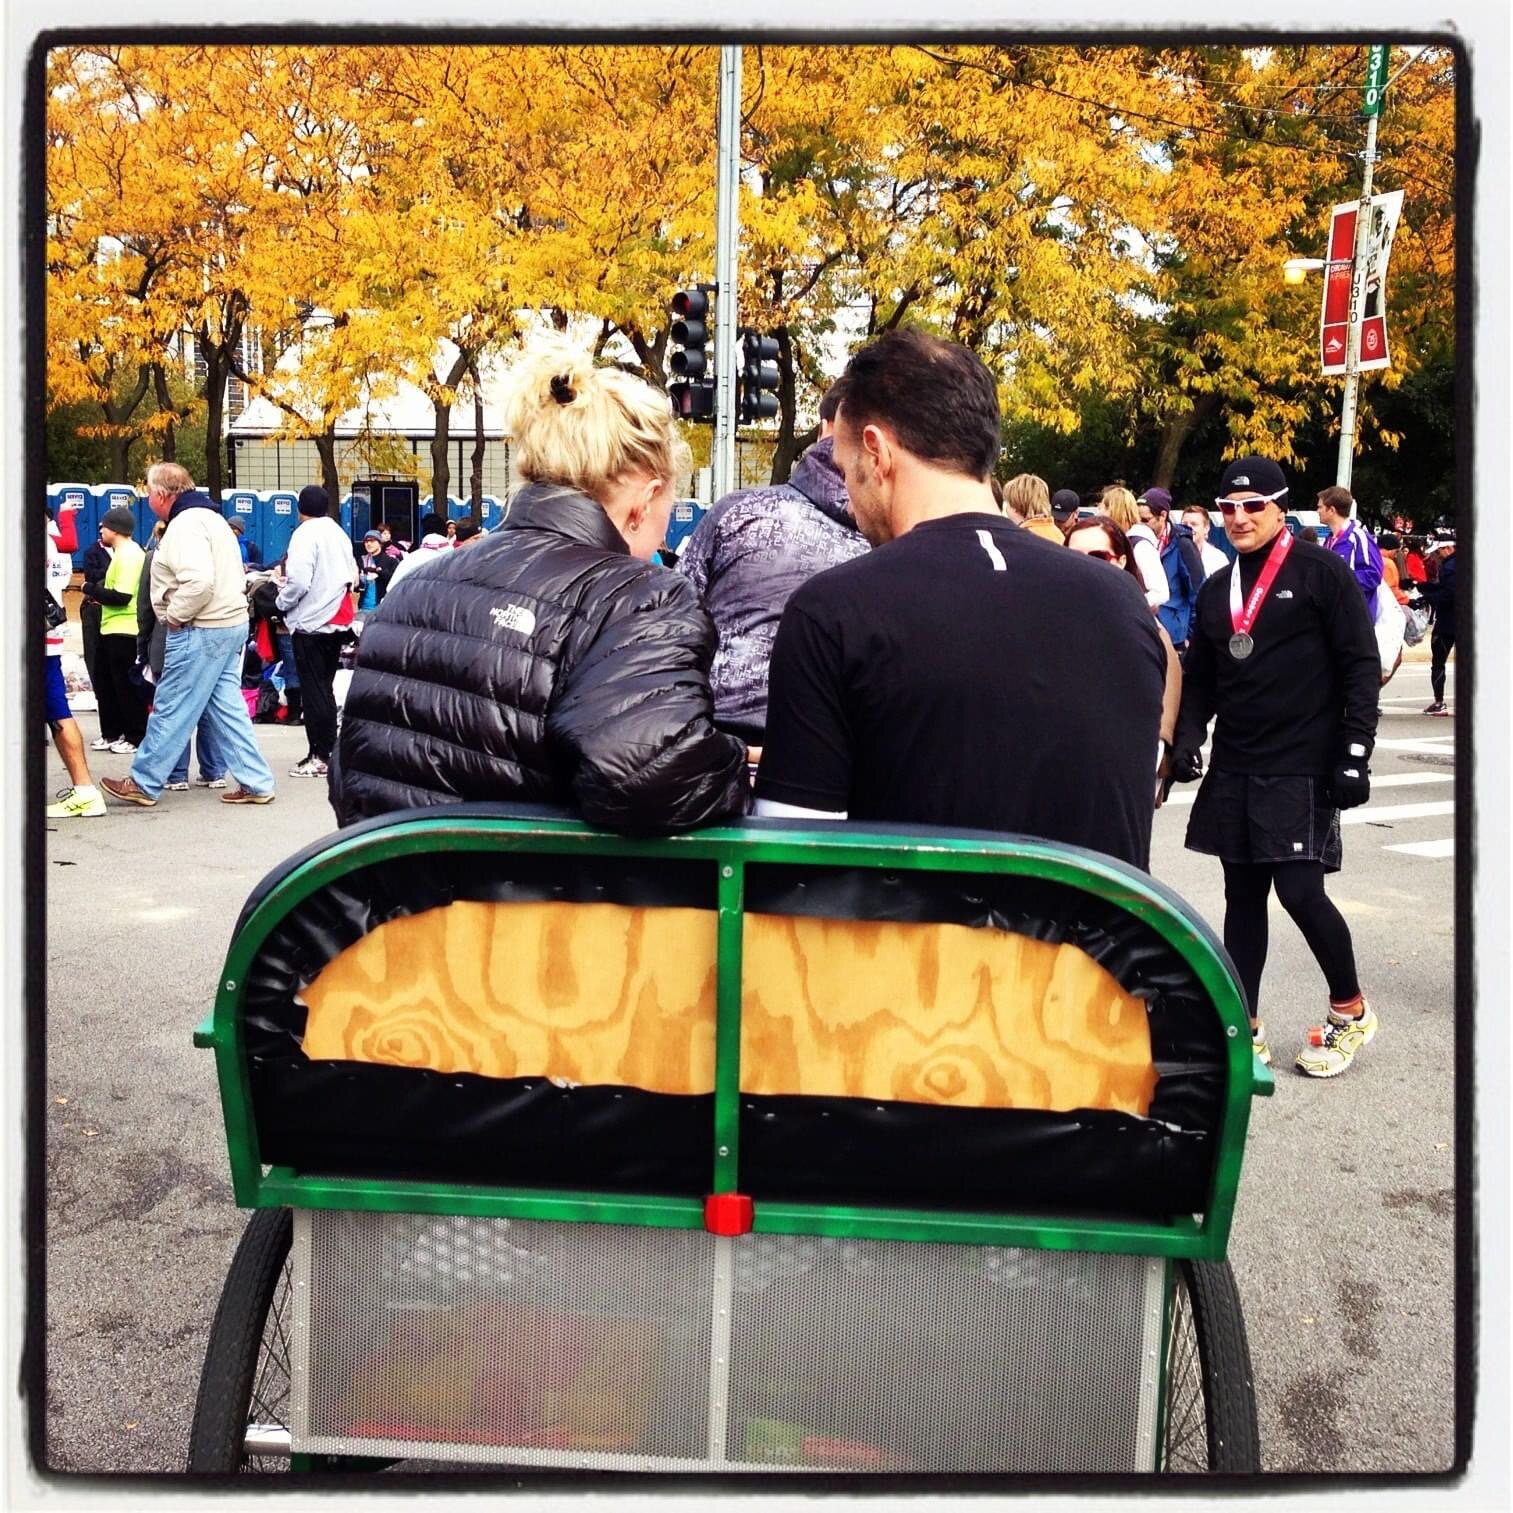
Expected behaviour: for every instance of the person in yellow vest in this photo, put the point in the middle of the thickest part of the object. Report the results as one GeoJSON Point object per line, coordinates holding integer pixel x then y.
{"type": "Point", "coordinates": [123, 704]}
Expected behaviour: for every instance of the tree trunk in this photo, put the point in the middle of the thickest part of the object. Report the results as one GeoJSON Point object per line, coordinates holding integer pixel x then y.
{"type": "Point", "coordinates": [325, 446]}
{"type": "Point", "coordinates": [475, 478]}
{"type": "Point", "coordinates": [441, 467]}
{"type": "Point", "coordinates": [219, 366]}
{"type": "Point", "coordinates": [1174, 437]}
{"type": "Point", "coordinates": [117, 415]}
{"type": "Point", "coordinates": [166, 407]}
{"type": "Point", "coordinates": [215, 397]}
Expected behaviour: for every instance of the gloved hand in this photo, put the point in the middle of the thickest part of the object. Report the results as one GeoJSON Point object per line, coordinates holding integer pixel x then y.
{"type": "Point", "coordinates": [1350, 782]}
{"type": "Point", "coordinates": [1186, 765]}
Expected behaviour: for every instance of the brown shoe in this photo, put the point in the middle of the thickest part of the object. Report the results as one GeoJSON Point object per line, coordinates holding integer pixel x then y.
{"type": "Point", "coordinates": [127, 792]}
{"type": "Point", "coordinates": [245, 796]}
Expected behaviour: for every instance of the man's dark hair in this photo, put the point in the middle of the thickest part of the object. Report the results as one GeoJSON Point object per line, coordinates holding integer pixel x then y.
{"type": "Point", "coordinates": [831, 403]}
{"type": "Point", "coordinates": [1338, 499]}
{"type": "Point", "coordinates": [935, 396]}
{"type": "Point", "coordinates": [467, 529]}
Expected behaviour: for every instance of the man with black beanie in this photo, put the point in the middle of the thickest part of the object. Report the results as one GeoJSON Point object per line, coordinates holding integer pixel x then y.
{"type": "Point", "coordinates": [1283, 653]}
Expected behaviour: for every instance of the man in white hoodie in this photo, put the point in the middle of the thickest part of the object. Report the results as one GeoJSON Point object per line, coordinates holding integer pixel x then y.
{"type": "Point", "coordinates": [316, 602]}
{"type": "Point", "coordinates": [198, 591]}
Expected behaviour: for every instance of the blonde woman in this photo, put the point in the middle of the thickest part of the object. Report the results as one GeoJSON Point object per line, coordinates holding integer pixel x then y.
{"type": "Point", "coordinates": [1027, 501]}
{"type": "Point", "coordinates": [1121, 507]}
{"type": "Point", "coordinates": [553, 662]}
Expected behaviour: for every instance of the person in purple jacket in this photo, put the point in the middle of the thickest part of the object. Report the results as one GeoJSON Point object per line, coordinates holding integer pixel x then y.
{"type": "Point", "coordinates": [748, 555]}
{"type": "Point", "coordinates": [1349, 539]}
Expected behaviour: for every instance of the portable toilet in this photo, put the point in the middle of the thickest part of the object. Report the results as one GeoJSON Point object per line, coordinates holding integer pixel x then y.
{"type": "Point", "coordinates": [109, 496]}
{"type": "Point", "coordinates": [357, 516]}
{"type": "Point", "coordinates": [86, 518]}
{"type": "Point", "coordinates": [243, 505]}
{"type": "Point", "coordinates": [493, 513]}
{"type": "Point", "coordinates": [279, 518]}
{"type": "Point", "coordinates": [686, 514]}
{"type": "Point", "coordinates": [452, 509]}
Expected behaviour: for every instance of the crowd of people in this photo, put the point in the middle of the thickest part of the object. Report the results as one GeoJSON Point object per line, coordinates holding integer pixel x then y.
{"type": "Point", "coordinates": [890, 637]}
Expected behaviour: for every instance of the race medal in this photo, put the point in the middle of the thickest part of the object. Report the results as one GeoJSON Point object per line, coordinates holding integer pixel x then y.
{"type": "Point", "coordinates": [1242, 643]}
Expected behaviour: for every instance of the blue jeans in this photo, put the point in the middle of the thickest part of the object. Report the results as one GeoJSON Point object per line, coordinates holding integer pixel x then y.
{"type": "Point", "coordinates": [288, 671]}
{"type": "Point", "coordinates": [211, 765]}
{"type": "Point", "coordinates": [202, 679]}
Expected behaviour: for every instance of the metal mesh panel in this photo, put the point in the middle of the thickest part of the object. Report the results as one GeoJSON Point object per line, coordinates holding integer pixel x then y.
{"type": "Point", "coordinates": [571, 1344]}
{"type": "Point", "coordinates": [563, 1341]}
{"type": "Point", "coordinates": [890, 1356]}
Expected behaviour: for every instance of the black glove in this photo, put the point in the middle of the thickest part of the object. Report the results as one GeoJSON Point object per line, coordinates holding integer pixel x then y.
{"type": "Point", "coordinates": [1186, 765]}
{"type": "Point", "coordinates": [1350, 782]}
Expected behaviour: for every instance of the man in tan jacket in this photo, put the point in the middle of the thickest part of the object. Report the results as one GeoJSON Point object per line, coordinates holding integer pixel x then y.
{"type": "Point", "coordinates": [197, 592]}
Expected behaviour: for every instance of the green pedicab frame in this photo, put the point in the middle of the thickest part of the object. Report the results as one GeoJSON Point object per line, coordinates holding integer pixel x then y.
{"type": "Point", "coordinates": [731, 850]}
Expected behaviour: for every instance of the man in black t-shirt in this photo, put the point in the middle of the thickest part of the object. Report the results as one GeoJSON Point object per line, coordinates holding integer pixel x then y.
{"type": "Point", "coordinates": [1284, 655]}
{"type": "Point", "coordinates": [965, 672]}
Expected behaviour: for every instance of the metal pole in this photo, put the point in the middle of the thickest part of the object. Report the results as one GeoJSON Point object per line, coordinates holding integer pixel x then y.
{"type": "Point", "coordinates": [1353, 329]}
{"type": "Point", "coordinates": [727, 232]}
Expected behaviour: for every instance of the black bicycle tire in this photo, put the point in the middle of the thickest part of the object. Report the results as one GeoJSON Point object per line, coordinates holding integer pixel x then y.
{"type": "Point", "coordinates": [1228, 1380]}
{"type": "Point", "coordinates": [229, 1373]}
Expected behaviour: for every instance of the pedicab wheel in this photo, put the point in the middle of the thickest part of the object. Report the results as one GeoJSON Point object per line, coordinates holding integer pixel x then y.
{"type": "Point", "coordinates": [244, 1384]}
{"type": "Point", "coordinates": [1210, 1421]}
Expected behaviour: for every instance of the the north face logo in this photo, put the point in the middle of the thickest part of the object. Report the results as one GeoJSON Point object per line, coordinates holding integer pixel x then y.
{"type": "Point", "coordinates": [514, 617]}
{"type": "Point", "coordinates": [1242, 480]}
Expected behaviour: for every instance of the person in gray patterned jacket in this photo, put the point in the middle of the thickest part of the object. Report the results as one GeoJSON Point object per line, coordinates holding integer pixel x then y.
{"type": "Point", "coordinates": [748, 555]}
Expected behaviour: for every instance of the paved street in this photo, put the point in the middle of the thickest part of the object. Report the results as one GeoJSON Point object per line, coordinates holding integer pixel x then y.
{"type": "Point", "coordinates": [1343, 1242]}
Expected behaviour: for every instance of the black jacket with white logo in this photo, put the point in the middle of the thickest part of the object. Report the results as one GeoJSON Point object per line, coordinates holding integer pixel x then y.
{"type": "Point", "coordinates": [545, 665]}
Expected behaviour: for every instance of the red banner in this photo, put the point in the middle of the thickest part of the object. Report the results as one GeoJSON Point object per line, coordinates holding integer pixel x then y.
{"type": "Point", "coordinates": [1341, 270]}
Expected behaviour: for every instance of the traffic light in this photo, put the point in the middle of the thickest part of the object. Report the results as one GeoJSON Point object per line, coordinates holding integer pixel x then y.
{"type": "Point", "coordinates": [759, 376]}
{"type": "Point", "coordinates": [693, 392]}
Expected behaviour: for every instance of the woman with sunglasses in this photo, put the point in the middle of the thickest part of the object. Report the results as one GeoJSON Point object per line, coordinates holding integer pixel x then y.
{"type": "Point", "coordinates": [1284, 658]}
{"type": "Point", "coordinates": [1098, 536]}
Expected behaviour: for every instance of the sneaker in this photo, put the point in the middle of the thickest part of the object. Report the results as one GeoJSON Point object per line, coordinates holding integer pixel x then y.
{"type": "Point", "coordinates": [176, 787]}
{"type": "Point", "coordinates": [123, 747]}
{"type": "Point", "coordinates": [1437, 707]}
{"type": "Point", "coordinates": [311, 767]}
{"type": "Point", "coordinates": [126, 790]}
{"type": "Point", "coordinates": [245, 796]}
{"type": "Point", "coordinates": [204, 782]}
{"type": "Point", "coordinates": [73, 805]}
{"type": "Point", "coordinates": [1332, 1045]}
{"type": "Point", "coordinates": [99, 744]}
{"type": "Point", "coordinates": [1259, 1045]}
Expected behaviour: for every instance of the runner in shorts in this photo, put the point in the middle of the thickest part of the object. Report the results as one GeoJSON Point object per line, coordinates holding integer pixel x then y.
{"type": "Point", "coordinates": [1284, 659]}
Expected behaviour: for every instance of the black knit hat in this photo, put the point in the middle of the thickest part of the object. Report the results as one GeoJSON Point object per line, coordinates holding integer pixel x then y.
{"type": "Point", "coordinates": [1258, 474]}
{"type": "Point", "coordinates": [119, 519]}
{"type": "Point", "coordinates": [313, 500]}
{"type": "Point", "coordinates": [1065, 503]}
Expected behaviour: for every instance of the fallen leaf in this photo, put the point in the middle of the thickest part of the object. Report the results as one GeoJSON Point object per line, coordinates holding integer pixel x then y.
{"type": "Point", "coordinates": [135, 1424]}
{"type": "Point", "coordinates": [60, 1100]}
{"type": "Point", "coordinates": [1442, 1145]}
{"type": "Point", "coordinates": [89, 1132]}
{"type": "Point", "coordinates": [1307, 1318]}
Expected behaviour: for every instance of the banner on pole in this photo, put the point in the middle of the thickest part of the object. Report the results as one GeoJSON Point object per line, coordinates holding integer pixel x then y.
{"type": "Point", "coordinates": [1334, 317]}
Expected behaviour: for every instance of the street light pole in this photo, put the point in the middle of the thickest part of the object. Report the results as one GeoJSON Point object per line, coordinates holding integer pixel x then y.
{"type": "Point", "coordinates": [727, 232]}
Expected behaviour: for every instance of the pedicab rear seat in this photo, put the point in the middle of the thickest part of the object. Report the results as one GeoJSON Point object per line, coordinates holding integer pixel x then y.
{"type": "Point", "coordinates": [754, 1148]}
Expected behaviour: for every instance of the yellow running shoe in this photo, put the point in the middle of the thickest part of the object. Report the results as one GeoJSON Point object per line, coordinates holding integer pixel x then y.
{"type": "Point", "coordinates": [1332, 1045]}
{"type": "Point", "coordinates": [76, 804]}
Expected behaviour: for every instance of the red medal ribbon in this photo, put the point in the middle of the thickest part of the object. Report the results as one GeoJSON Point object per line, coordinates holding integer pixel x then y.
{"type": "Point", "coordinates": [1243, 620]}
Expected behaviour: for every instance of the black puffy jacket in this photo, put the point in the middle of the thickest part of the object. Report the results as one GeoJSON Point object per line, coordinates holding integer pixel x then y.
{"type": "Point", "coordinates": [545, 664]}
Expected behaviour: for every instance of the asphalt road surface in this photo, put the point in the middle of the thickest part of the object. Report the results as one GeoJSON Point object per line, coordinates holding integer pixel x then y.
{"type": "Point", "coordinates": [1344, 1234]}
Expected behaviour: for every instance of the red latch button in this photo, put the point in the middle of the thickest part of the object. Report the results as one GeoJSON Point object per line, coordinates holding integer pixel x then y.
{"type": "Point", "coordinates": [728, 1214]}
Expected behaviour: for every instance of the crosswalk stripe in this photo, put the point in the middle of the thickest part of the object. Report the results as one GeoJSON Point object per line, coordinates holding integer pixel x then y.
{"type": "Point", "coordinates": [1390, 780]}
{"type": "Point", "coordinates": [1424, 745]}
{"type": "Point", "coordinates": [1425, 848]}
{"type": "Point", "coordinates": [1392, 813]}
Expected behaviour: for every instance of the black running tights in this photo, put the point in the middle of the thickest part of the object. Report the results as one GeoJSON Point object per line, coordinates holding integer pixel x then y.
{"type": "Point", "coordinates": [1300, 890]}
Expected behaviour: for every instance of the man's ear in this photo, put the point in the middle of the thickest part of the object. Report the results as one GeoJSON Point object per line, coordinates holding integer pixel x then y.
{"type": "Point", "coordinates": [878, 445]}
